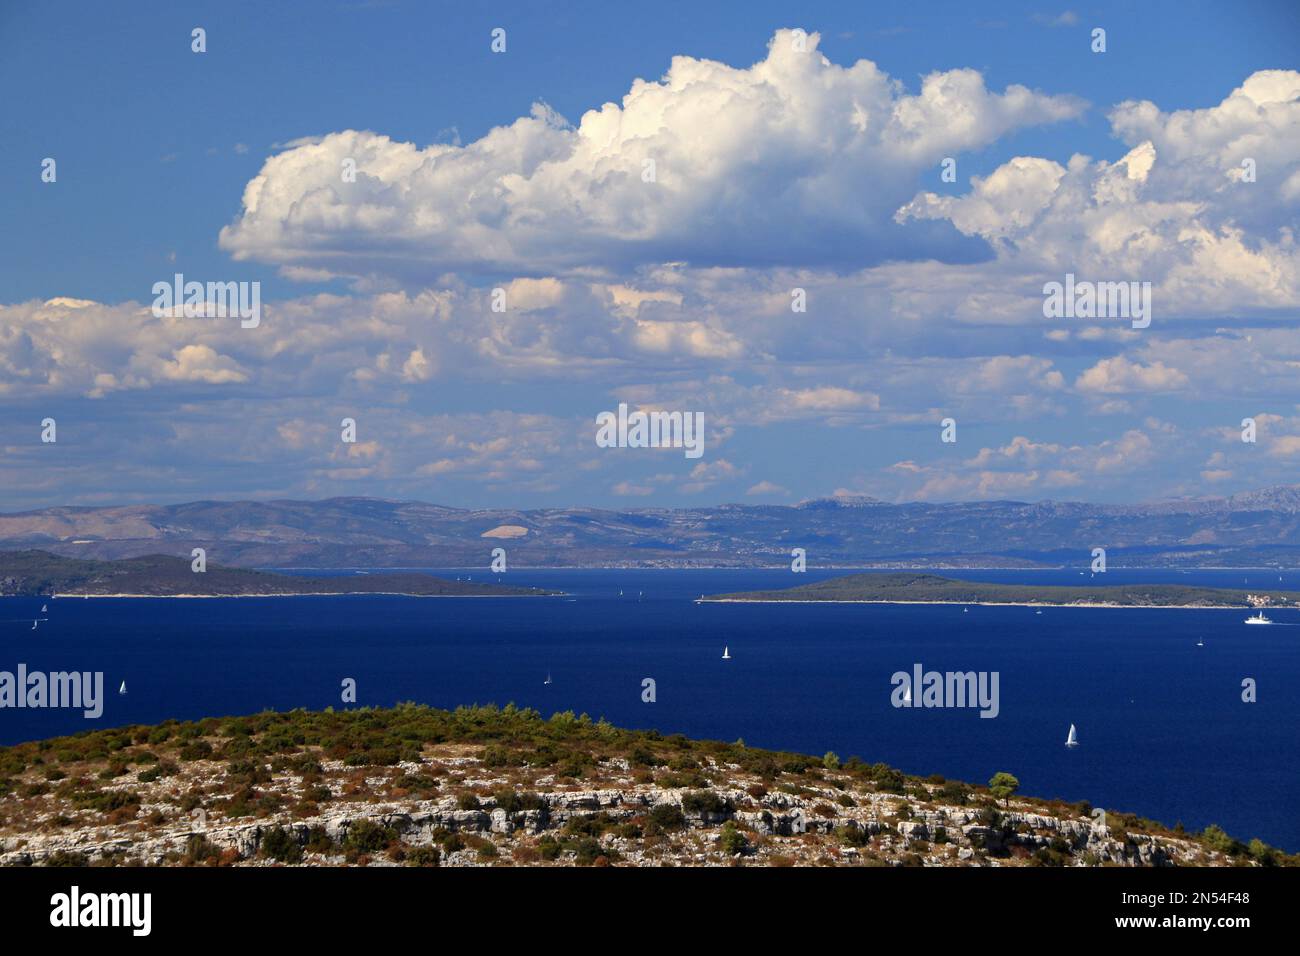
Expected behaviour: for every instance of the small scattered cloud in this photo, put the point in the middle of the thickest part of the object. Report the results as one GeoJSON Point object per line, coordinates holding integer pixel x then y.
{"type": "Point", "coordinates": [1067, 18]}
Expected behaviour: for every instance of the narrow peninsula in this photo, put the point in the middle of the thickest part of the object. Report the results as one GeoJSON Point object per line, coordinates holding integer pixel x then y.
{"type": "Point", "coordinates": [41, 574]}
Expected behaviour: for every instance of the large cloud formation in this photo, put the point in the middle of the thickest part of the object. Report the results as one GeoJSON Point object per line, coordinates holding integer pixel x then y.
{"type": "Point", "coordinates": [794, 172]}
{"type": "Point", "coordinates": [794, 160]}
{"type": "Point", "coordinates": [1204, 204]}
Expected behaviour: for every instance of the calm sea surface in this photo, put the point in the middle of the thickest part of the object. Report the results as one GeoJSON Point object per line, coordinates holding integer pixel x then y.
{"type": "Point", "coordinates": [1162, 728]}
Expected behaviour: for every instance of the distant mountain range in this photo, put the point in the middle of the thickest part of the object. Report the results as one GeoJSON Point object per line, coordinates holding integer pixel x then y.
{"type": "Point", "coordinates": [1259, 528]}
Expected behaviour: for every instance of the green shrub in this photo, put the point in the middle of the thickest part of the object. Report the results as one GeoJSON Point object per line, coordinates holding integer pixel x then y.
{"type": "Point", "coordinates": [704, 801]}
{"type": "Point", "coordinates": [419, 782]}
{"type": "Point", "coordinates": [1214, 837]}
{"type": "Point", "coordinates": [366, 836]}
{"type": "Point", "coordinates": [198, 851]}
{"type": "Point", "coordinates": [640, 756]}
{"type": "Point", "coordinates": [281, 845]}
{"type": "Point", "coordinates": [105, 801]}
{"type": "Point", "coordinates": [853, 836]}
{"type": "Point", "coordinates": [509, 800]}
{"type": "Point", "coordinates": [591, 825]}
{"type": "Point", "coordinates": [733, 841]}
{"type": "Point", "coordinates": [423, 856]}
{"type": "Point", "coordinates": [318, 841]}
{"type": "Point", "coordinates": [196, 750]}
{"type": "Point", "coordinates": [889, 780]}
{"type": "Point", "coordinates": [954, 792]}
{"type": "Point", "coordinates": [664, 818]}
{"type": "Point", "coordinates": [451, 840]}
{"type": "Point", "coordinates": [1262, 853]}
{"type": "Point", "coordinates": [585, 849]}
{"type": "Point", "coordinates": [379, 757]}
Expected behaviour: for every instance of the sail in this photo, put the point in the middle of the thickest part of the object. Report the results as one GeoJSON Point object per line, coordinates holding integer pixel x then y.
{"type": "Point", "coordinates": [1071, 740]}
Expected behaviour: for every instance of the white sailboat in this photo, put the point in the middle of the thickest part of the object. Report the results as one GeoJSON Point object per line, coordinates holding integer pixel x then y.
{"type": "Point", "coordinates": [1258, 618]}
{"type": "Point", "coordinates": [907, 696]}
{"type": "Point", "coordinates": [548, 678]}
{"type": "Point", "coordinates": [1200, 642]}
{"type": "Point", "coordinates": [122, 689]}
{"type": "Point", "coordinates": [1073, 739]}
{"type": "Point", "coordinates": [726, 653]}
{"type": "Point", "coordinates": [45, 607]}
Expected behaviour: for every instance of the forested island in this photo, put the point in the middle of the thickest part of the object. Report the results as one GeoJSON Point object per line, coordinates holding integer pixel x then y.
{"type": "Point", "coordinates": [913, 588]}
{"type": "Point", "coordinates": [41, 574]}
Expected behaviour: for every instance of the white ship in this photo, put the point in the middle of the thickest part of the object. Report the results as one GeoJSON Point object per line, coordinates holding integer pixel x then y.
{"type": "Point", "coordinates": [1258, 618]}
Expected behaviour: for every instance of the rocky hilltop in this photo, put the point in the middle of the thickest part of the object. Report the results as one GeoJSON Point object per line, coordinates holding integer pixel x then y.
{"type": "Point", "coordinates": [485, 786]}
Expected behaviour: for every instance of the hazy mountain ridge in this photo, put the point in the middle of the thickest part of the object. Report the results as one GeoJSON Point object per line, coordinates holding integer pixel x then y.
{"type": "Point", "coordinates": [1245, 530]}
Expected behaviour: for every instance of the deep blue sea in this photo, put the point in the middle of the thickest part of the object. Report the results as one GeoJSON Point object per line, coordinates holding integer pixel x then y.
{"type": "Point", "coordinates": [1162, 728]}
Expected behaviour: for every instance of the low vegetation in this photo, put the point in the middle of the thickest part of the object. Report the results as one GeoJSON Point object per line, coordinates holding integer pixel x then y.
{"type": "Point", "coordinates": [489, 786]}
{"type": "Point", "coordinates": [931, 588]}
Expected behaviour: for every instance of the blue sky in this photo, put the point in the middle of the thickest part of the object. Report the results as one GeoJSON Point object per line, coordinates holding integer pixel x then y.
{"type": "Point", "coordinates": [776, 172]}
